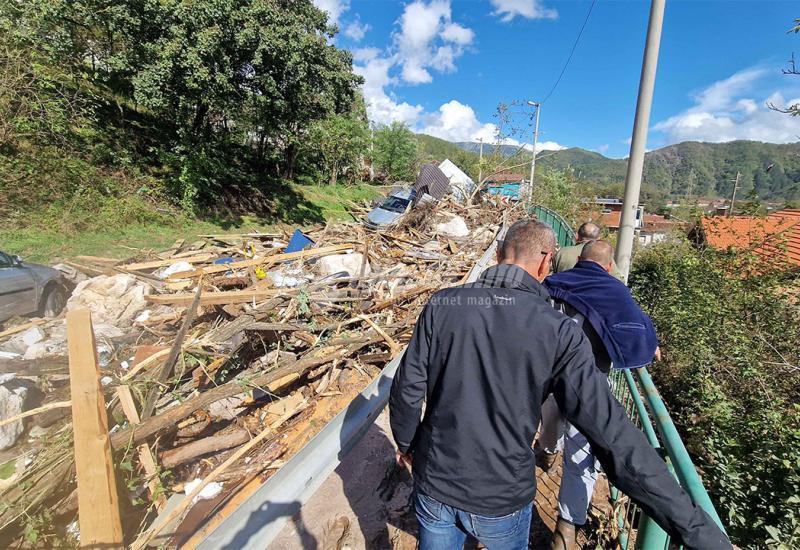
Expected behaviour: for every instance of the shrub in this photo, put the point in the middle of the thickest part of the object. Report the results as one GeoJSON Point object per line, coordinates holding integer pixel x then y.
{"type": "Point", "coordinates": [731, 378]}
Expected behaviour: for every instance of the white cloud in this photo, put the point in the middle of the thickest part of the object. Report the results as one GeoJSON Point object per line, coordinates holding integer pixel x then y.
{"type": "Point", "coordinates": [507, 10]}
{"type": "Point", "coordinates": [456, 122]}
{"type": "Point", "coordinates": [382, 108]}
{"type": "Point", "coordinates": [334, 9]}
{"type": "Point", "coordinates": [356, 30]}
{"type": "Point", "coordinates": [722, 113]}
{"type": "Point", "coordinates": [365, 54]}
{"type": "Point", "coordinates": [428, 38]}
{"type": "Point", "coordinates": [603, 148]}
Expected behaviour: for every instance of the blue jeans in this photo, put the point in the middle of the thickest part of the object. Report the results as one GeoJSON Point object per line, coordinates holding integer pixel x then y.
{"type": "Point", "coordinates": [443, 527]}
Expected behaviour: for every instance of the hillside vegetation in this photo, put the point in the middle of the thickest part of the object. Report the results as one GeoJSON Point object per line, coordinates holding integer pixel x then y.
{"type": "Point", "coordinates": [771, 171]}
{"type": "Point", "coordinates": [119, 120]}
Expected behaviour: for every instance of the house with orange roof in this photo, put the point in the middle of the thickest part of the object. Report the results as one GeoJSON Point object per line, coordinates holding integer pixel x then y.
{"type": "Point", "coordinates": [775, 238]}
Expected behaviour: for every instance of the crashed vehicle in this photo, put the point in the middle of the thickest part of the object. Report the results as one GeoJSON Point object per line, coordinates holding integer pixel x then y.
{"type": "Point", "coordinates": [27, 288]}
{"type": "Point", "coordinates": [391, 209]}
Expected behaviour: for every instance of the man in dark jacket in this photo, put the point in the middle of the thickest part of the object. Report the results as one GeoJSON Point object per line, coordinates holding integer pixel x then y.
{"type": "Point", "coordinates": [482, 359]}
{"type": "Point", "coordinates": [621, 334]}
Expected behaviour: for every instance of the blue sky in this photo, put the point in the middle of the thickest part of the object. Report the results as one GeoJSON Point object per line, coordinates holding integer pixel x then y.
{"type": "Point", "coordinates": [443, 66]}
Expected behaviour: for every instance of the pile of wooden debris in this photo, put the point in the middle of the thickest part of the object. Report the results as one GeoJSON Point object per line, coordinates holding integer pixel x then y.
{"type": "Point", "coordinates": [194, 373]}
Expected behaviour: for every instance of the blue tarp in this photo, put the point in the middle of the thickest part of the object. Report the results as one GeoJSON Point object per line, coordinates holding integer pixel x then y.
{"type": "Point", "coordinates": [298, 242]}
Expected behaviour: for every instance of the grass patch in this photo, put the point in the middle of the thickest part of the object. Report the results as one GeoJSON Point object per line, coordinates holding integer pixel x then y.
{"type": "Point", "coordinates": [336, 201]}
{"type": "Point", "coordinates": [7, 470]}
{"type": "Point", "coordinates": [124, 233]}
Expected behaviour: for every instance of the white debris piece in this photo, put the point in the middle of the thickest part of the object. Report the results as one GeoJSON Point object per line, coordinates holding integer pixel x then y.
{"type": "Point", "coordinates": [19, 343]}
{"type": "Point", "coordinates": [336, 263]}
{"type": "Point", "coordinates": [12, 403]}
{"type": "Point", "coordinates": [288, 279]}
{"type": "Point", "coordinates": [115, 300]}
{"type": "Point", "coordinates": [172, 269]}
{"type": "Point", "coordinates": [106, 380]}
{"type": "Point", "coordinates": [143, 316]}
{"type": "Point", "coordinates": [7, 377]}
{"type": "Point", "coordinates": [206, 493]}
{"type": "Point", "coordinates": [456, 227]}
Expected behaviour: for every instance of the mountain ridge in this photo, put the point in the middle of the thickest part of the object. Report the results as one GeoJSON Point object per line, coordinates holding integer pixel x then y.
{"type": "Point", "coordinates": [768, 170]}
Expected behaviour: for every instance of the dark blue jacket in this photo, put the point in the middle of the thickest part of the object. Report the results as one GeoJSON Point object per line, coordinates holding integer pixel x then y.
{"type": "Point", "coordinates": [606, 303]}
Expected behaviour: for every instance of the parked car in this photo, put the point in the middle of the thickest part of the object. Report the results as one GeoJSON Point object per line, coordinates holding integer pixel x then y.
{"type": "Point", "coordinates": [29, 288]}
{"type": "Point", "coordinates": [391, 209]}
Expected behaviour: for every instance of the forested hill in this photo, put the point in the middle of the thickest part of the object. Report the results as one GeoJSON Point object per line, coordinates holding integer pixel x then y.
{"type": "Point", "coordinates": [691, 167]}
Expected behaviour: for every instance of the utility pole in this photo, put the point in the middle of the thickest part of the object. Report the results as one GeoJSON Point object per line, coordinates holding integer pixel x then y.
{"type": "Point", "coordinates": [480, 164]}
{"type": "Point", "coordinates": [529, 194]}
{"type": "Point", "coordinates": [733, 196]}
{"type": "Point", "coordinates": [633, 179]}
{"type": "Point", "coordinates": [371, 153]}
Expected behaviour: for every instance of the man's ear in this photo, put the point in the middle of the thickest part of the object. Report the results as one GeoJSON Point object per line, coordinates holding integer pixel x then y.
{"type": "Point", "coordinates": [544, 267]}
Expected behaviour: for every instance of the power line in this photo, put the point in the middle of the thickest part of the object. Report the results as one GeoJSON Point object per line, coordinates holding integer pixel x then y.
{"type": "Point", "coordinates": [575, 45]}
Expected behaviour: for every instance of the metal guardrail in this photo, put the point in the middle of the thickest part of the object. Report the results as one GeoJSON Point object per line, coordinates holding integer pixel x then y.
{"type": "Point", "coordinates": [259, 519]}
{"type": "Point", "coordinates": [651, 416]}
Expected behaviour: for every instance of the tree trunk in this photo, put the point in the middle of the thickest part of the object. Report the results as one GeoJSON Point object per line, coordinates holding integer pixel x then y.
{"type": "Point", "coordinates": [334, 173]}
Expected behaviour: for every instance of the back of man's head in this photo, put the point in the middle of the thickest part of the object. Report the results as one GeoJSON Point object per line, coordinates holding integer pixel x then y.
{"type": "Point", "coordinates": [529, 244]}
{"type": "Point", "coordinates": [588, 232]}
{"type": "Point", "coordinates": [599, 252]}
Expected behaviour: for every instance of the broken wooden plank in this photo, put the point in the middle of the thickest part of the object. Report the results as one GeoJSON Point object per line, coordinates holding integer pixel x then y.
{"type": "Point", "coordinates": [89, 271]}
{"type": "Point", "coordinates": [142, 541]}
{"type": "Point", "coordinates": [164, 263]}
{"type": "Point", "coordinates": [37, 410]}
{"type": "Point", "coordinates": [98, 502]}
{"type": "Point", "coordinates": [166, 369]}
{"type": "Point", "coordinates": [277, 258]}
{"type": "Point", "coordinates": [215, 298]}
{"type": "Point", "coordinates": [21, 328]}
{"type": "Point", "coordinates": [146, 458]}
{"type": "Point", "coordinates": [168, 253]}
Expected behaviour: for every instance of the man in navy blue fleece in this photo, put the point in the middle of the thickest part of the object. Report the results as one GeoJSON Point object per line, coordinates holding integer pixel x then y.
{"type": "Point", "coordinates": [621, 334]}
{"type": "Point", "coordinates": [483, 358]}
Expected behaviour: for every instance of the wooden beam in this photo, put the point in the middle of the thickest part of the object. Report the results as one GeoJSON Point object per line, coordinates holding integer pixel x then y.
{"type": "Point", "coordinates": [163, 263]}
{"type": "Point", "coordinates": [277, 258]}
{"type": "Point", "coordinates": [215, 298]}
{"type": "Point", "coordinates": [98, 502]}
{"type": "Point", "coordinates": [145, 455]}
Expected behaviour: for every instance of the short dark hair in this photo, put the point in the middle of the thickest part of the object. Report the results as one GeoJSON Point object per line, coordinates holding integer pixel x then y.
{"type": "Point", "coordinates": [598, 251]}
{"type": "Point", "coordinates": [528, 238]}
{"type": "Point", "coordinates": [589, 231]}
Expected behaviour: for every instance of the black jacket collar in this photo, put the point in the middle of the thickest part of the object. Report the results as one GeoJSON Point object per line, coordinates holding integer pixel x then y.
{"type": "Point", "coordinates": [510, 276]}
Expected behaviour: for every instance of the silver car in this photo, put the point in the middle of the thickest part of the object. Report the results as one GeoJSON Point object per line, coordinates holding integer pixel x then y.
{"type": "Point", "coordinates": [390, 210]}
{"type": "Point", "coordinates": [29, 288]}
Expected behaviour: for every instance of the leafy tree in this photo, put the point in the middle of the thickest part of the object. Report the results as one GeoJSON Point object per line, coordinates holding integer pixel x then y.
{"type": "Point", "coordinates": [34, 104]}
{"type": "Point", "coordinates": [396, 153]}
{"type": "Point", "coordinates": [211, 70]}
{"type": "Point", "coordinates": [341, 140]}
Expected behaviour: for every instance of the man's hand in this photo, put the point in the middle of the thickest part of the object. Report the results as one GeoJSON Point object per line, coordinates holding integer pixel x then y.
{"type": "Point", "coordinates": [657, 355]}
{"type": "Point", "coordinates": [403, 460]}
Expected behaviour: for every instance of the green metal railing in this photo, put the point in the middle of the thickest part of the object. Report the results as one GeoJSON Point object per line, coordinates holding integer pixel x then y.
{"type": "Point", "coordinates": [564, 233]}
{"type": "Point", "coordinates": [637, 393]}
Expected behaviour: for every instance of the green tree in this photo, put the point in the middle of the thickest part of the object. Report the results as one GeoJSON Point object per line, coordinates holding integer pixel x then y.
{"type": "Point", "coordinates": [341, 141]}
{"type": "Point", "coordinates": [395, 153]}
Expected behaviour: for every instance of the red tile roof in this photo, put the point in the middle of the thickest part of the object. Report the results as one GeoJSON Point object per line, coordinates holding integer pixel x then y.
{"type": "Point", "coordinates": [775, 238]}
